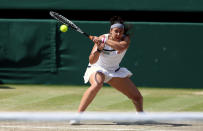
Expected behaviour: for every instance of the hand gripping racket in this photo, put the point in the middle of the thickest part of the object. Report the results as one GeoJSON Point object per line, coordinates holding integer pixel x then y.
{"type": "Point", "coordinates": [69, 23]}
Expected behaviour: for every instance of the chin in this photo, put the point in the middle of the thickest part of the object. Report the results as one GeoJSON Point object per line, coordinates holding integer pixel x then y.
{"type": "Point", "coordinates": [118, 39]}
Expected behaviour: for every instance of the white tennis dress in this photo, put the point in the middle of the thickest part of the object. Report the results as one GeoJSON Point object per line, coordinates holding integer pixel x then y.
{"type": "Point", "coordinates": [108, 64]}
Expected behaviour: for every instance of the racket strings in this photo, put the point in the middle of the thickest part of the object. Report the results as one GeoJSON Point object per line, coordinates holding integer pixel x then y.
{"type": "Point", "coordinates": [64, 20]}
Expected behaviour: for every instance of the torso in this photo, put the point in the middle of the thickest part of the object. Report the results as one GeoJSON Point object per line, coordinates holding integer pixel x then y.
{"type": "Point", "coordinates": [110, 58]}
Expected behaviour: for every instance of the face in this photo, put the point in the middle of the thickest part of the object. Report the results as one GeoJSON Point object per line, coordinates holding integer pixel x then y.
{"type": "Point", "coordinates": [116, 33]}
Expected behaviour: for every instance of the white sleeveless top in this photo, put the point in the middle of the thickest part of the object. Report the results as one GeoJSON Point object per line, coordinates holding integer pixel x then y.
{"type": "Point", "coordinates": [109, 58]}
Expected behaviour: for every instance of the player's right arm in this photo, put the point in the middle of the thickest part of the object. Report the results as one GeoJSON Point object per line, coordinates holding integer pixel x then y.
{"type": "Point", "coordinates": [96, 50]}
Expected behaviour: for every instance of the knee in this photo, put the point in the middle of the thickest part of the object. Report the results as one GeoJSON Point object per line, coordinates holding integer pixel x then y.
{"type": "Point", "coordinates": [98, 84]}
{"type": "Point", "coordinates": [96, 87]}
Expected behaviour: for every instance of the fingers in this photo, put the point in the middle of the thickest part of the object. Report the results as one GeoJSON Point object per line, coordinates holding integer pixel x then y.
{"type": "Point", "coordinates": [97, 40]}
{"type": "Point", "coordinates": [101, 46]}
{"type": "Point", "coordinates": [98, 44]}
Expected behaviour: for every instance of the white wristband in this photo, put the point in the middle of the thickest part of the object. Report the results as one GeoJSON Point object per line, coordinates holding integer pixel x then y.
{"type": "Point", "coordinates": [104, 40]}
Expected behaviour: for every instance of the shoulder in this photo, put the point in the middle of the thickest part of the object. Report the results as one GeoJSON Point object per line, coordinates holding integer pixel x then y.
{"type": "Point", "coordinates": [126, 38]}
{"type": "Point", "coordinates": [104, 35]}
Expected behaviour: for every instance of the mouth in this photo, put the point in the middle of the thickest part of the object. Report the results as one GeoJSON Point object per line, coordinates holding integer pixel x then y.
{"type": "Point", "coordinates": [117, 38]}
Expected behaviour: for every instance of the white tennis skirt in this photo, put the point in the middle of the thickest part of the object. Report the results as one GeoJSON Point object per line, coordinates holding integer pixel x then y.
{"type": "Point", "coordinates": [109, 74]}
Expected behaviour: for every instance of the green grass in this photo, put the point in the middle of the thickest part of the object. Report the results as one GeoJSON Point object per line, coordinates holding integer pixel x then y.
{"type": "Point", "coordinates": [67, 98]}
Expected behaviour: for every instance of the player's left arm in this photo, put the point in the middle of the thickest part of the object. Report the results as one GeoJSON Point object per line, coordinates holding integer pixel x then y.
{"type": "Point", "coordinates": [119, 46]}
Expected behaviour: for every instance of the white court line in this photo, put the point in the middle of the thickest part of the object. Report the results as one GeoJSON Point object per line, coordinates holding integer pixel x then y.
{"type": "Point", "coordinates": [74, 128]}
{"type": "Point", "coordinates": [70, 128]}
{"type": "Point", "coordinates": [104, 116]}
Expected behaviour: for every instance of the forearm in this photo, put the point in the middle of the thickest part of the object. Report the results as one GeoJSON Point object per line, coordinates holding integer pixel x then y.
{"type": "Point", "coordinates": [115, 45]}
{"type": "Point", "coordinates": [94, 56]}
{"type": "Point", "coordinates": [119, 46]}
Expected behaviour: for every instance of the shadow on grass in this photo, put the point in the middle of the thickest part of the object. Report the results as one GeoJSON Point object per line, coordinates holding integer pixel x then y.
{"type": "Point", "coordinates": [6, 87]}
{"type": "Point", "coordinates": [150, 123]}
{"type": "Point", "coordinates": [144, 123]}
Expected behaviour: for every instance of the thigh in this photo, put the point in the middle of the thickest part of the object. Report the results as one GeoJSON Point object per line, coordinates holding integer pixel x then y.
{"type": "Point", "coordinates": [125, 85]}
{"type": "Point", "coordinates": [97, 78]}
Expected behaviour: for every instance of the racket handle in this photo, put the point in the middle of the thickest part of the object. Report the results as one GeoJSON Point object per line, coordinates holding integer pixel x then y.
{"type": "Point", "coordinates": [89, 36]}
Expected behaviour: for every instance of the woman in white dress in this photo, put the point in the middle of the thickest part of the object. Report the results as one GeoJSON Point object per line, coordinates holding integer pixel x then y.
{"type": "Point", "coordinates": [104, 60]}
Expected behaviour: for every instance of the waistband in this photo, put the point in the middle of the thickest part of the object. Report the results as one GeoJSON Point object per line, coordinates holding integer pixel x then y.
{"type": "Point", "coordinates": [115, 70]}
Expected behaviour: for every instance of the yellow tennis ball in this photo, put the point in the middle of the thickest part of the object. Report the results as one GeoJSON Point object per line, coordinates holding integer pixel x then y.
{"type": "Point", "coordinates": [63, 28]}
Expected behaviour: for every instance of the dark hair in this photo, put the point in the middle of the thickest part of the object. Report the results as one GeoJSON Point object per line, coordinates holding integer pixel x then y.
{"type": "Point", "coordinates": [118, 19]}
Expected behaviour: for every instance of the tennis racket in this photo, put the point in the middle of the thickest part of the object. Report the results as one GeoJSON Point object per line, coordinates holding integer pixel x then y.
{"type": "Point", "coordinates": [69, 23]}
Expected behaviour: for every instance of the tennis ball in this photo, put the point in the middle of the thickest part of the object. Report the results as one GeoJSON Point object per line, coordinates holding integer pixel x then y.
{"type": "Point", "coordinates": [63, 28]}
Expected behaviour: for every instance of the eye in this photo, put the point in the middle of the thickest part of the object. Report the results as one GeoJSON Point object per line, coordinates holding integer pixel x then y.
{"type": "Point", "coordinates": [116, 31]}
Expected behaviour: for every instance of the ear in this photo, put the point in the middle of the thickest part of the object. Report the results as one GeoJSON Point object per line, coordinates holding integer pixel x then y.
{"type": "Point", "coordinates": [110, 30]}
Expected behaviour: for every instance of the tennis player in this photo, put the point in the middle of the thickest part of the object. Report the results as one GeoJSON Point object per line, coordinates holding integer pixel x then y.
{"type": "Point", "coordinates": [104, 60]}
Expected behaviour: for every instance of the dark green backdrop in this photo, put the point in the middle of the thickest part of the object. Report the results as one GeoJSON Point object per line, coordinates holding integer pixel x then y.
{"type": "Point", "coordinates": [160, 54]}
{"type": "Point", "coordinates": [120, 5]}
